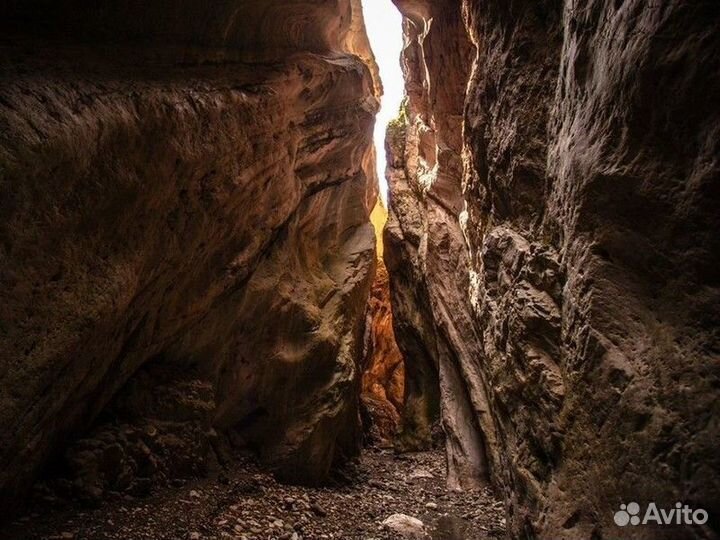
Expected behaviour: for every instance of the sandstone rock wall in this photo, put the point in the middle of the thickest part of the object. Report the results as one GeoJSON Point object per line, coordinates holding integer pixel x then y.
{"type": "Point", "coordinates": [425, 249]}
{"type": "Point", "coordinates": [383, 380]}
{"type": "Point", "coordinates": [192, 182]}
{"type": "Point", "coordinates": [587, 299]}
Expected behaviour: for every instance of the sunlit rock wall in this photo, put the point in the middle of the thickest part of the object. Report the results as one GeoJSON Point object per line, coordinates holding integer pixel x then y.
{"type": "Point", "coordinates": [383, 381]}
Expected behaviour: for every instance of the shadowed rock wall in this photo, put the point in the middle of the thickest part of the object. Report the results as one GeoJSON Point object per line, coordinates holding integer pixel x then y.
{"type": "Point", "coordinates": [192, 182]}
{"type": "Point", "coordinates": [588, 209]}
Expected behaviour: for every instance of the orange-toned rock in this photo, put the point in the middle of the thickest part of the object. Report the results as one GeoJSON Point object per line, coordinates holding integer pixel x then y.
{"type": "Point", "coordinates": [383, 382]}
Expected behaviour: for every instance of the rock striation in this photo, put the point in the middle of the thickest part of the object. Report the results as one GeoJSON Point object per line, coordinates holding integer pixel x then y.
{"type": "Point", "coordinates": [425, 250]}
{"type": "Point", "coordinates": [186, 185]}
{"type": "Point", "coordinates": [383, 380]}
{"type": "Point", "coordinates": [552, 250]}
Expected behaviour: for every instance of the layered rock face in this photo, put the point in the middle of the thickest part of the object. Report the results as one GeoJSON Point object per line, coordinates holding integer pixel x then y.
{"type": "Point", "coordinates": [425, 249]}
{"type": "Point", "coordinates": [383, 380]}
{"type": "Point", "coordinates": [584, 293]}
{"type": "Point", "coordinates": [187, 185]}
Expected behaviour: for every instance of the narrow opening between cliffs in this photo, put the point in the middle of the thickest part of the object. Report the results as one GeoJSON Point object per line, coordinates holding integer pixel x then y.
{"type": "Point", "coordinates": [384, 28]}
{"type": "Point", "coordinates": [401, 398]}
{"type": "Point", "coordinates": [383, 379]}
{"type": "Point", "coordinates": [400, 407]}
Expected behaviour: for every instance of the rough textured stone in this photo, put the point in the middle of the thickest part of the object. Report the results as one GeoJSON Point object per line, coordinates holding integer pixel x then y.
{"type": "Point", "coordinates": [405, 526]}
{"type": "Point", "coordinates": [156, 432]}
{"type": "Point", "coordinates": [192, 181]}
{"type": "Point", "coordinates": [383, 382]}
{"type": "Point", "coordinates": [425, 251]}
{"type": "Point", "coordinates": [589, 304]}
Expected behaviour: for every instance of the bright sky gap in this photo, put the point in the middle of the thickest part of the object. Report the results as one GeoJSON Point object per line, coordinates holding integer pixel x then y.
{"type": "Point", "coordinates": [384, 27]}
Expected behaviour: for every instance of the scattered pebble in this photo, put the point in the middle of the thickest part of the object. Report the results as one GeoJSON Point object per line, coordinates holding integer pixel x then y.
{"type": "Point", "coordinates": [384, 497]}
{"type": "Point", "coordinates": [420, 473]}
{"type": "Point", "coordinates": [406, 526]}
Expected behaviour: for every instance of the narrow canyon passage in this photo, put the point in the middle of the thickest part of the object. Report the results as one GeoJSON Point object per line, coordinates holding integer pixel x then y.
{"type": "Point", "coordinates": [379, 269]}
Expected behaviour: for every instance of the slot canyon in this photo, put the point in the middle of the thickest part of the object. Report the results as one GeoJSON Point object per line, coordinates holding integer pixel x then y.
{"type": "Point", "coordinates": [215, 325]}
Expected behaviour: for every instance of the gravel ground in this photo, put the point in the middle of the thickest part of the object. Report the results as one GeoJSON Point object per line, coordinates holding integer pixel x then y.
{"type": "Point", "coordinates": [245, 504]}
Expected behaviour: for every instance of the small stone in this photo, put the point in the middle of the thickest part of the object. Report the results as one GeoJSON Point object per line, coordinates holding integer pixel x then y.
{"type": "Point", "coordinates": [318, 510]}
{"type": "Point", "coordinates": [419, 473]}
{"type": "Point", "coordinates": [404, 525]}
{"type": "Point", "coordinates": [431, 506]}
{"type": "Point", "coordinates": [194, 536]}
{"type": "Point", "coordinates": [194, 493]}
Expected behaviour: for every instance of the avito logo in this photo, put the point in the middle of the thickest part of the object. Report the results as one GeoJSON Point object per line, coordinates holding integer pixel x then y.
{"type": "Point", "coordinates": [682, 514]}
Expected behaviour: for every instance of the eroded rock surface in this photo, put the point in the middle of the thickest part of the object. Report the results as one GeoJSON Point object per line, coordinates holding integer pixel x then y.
{"type": "Point", "coordinates": [425, 250]}
{"type": "Point", "coordinates": [584, 294]}
{"type": "Point", "coordinates": [155, 433]}
{"type": "Point", "coordinates": [192, 181]}
{"type": "Point", "coordinates": [383, 381]}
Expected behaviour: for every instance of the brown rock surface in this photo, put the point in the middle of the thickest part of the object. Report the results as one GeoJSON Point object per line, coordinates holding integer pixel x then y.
{"type": "Point", "coordinates": [425, 249]}
{"type": "Point", "coordinates": [155, 433]}
{"type": "Point", "coordinates": [586, 308]}
{"type": "Point", "coordinates": [192, 181]}
{"type": "Point", "coordinates": [383, 381]}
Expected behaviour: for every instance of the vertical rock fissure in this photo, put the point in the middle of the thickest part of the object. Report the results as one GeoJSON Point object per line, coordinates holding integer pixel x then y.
{"type": "Point", "coordinates": [383, 381]}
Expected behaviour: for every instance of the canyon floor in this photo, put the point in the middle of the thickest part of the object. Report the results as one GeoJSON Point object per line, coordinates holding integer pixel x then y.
{"type": "Point", "coordinates": [244, 503]}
